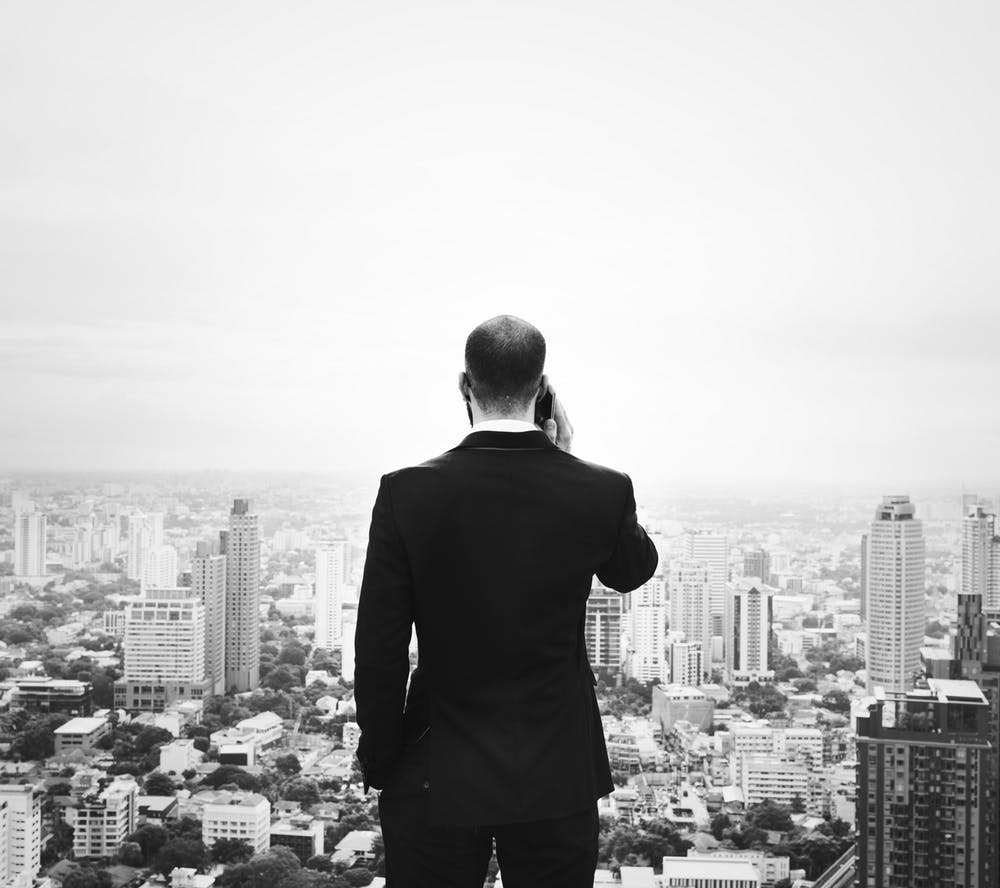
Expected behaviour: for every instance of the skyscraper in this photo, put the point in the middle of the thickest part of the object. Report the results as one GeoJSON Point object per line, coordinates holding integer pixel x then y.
{"type": "Point", "coordinates": [603, 628]}
{"type": "Point", "coordinates": [896, 610]}
{"type": "Point", "coordinates": [159, 567]}
{"type": "Point", "coordinates": [980, 574]}
{"type": "Point", "coordinates": [331, 575]}
{"type": "Point", "coordinates": [139, 540]}
{"type": "Point", "coordinates": [208, 580]}
{"type": "Point", "coordinates": [242, 545]}
{"type": "Point", "coordinates": [648, 660]}
{"type": "Point", "coordinates": [713, 549]}
{"type": "Point", "coordinates": [24, 832]}
{"type": "Point", "coordinates": [29, 544]}
{"type": "Point", "coordinates": [689, 586]}
{"type": "Point", "coordinates": [164, 646]}
{"type": "Point", "coordinates": [686, 663]}
{"type": "Point", "coordinates": [864, 576]}
{"type": "Point", "coordinates": [748, 630]}
{"type": "Point", "coordinates": [757, 563]}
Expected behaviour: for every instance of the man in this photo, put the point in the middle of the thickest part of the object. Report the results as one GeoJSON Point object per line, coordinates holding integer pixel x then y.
{"type": "Point", "coordinates": [490, 551]}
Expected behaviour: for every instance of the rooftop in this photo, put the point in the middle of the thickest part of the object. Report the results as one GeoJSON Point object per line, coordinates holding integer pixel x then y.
{"type": "Point", "coordinates": [704, 868]}
{"type": "Point", "coordinates": [81, 726]}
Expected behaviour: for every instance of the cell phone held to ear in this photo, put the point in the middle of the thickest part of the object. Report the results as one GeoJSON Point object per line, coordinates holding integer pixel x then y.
{"type": "Point", "coordinates": [544, 408]}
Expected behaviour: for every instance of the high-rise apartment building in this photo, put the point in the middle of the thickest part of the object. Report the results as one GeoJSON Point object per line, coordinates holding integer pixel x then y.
{"type": "Point", "coordinates": [757, 563]}
{"type": "Point", "coordinates": [103, 820]}
{"type": "Point", "coordinates": [208, 581]}
{"type": "Point", "coordinates": [145, 532]}
{"type": "Point", "coordinates": [30, 530]}
{"type": "Point", "coordinates": [4, 839]}
{"type": "Point", "coordinates": [748, 631]}
{"type": "Point", "coordinates": [160, 567]}
{"type": "Point", "coordinates": [603, 628]}
{"type": "Point", "coordinates": [712, 549]}
{"type": "Point", "coordinates": [864, 577]}
{"type": "Point", "coordinates": [647, 649]}
{"type": "Point", "coordinates": [24, 832]}
{"type": "Point", "coordinates": [242, 550]}
{"type": "Point", "coordinates": [980, 573]}
{"type": "Point", "coordinates": [896, 610]}
{"type": "Point", "coordinates": [689, 586]}
{"type": "Point", "coordinates": [331, 577]}
{"type": "Point", "coordinates": [924, 796]}
{"type": "Point", "coordinates": [164, 646]}
{"type": "Point", "coordinates": [686, 664]}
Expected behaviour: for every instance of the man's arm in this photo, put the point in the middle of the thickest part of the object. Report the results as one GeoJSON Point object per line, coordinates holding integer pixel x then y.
{"type": "Point", "coordinates": [382, 638]}
{"type": "Point", "coordinates": [634, 558]}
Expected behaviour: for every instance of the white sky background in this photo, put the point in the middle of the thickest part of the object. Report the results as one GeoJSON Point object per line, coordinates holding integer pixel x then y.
{"type": "Point", "coordinates": [761, 239]}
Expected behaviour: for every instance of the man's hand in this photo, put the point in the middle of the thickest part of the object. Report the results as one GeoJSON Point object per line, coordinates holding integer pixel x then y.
{"type": "Point", "coordinates": [559, 429]}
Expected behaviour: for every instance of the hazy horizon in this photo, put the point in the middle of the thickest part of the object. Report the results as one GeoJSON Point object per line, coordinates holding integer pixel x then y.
{"type": "Point", "coordinates": [759, 239]}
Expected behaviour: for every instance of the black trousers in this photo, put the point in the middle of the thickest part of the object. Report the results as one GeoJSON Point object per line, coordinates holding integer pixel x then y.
{"type": "Point", "coordinates": [560, 853]}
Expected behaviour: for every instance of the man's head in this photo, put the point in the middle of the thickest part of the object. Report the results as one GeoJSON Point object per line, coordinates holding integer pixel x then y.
{"type": "Point", "coordinates": [504, 360]}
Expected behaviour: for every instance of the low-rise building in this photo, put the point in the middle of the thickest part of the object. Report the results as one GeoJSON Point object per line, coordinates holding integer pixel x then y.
{"type": "Point", "coordinates": [775, 779]}
{"type": "Point", "coordinates": [771, 869]}
{"type": "Point", "coordinates": [246, 817]}
{"type": "Point", "coordinates": [673, 703]}
{"type": "Point", "coordinates": [156, 809]}
{"type": "Point", "coordinates": [80, 733]}
{"type": "Point", "coordinates": [358, 844]}
{"type": "Point", "coordinates": [351, 735]}
{"type": "Point", "coordinates": [301, 833]}
{"type": "Point", "coordinates": [179, 756]}
{"type": "Point", "coordinates": [44, 694]}
{"type": "Point", "coordinates": [692, 872]}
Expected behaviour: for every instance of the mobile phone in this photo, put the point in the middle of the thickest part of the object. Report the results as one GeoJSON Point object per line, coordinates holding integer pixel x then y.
{"type": "Point", "coordinates": [468, 409]}
{"type": "Point", "coordinates": [544, 408]}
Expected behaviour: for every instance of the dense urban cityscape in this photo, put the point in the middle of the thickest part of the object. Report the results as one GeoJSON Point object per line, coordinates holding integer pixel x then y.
{"type": "Point", "coordinates": [806, 692]}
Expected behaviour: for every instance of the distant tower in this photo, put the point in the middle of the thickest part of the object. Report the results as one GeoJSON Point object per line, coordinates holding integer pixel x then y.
{"type": "Point", "coordinates": [713, 549]}
{"type": "Point", "coordinates": [980, 573]}
{"type": "Point", "coordinates": [864, 577]}
{"type": "Point", "coordinates": [29, 544]}
{"type": "Point", "coordinates": [757, 563]}
{"type": "Point", "coordinates": [331, 574]}
{"type": "Point", "coordinates": [208, 580]}
{"type": "Point", "coordinates": [896, 610]}
{"type": "Point", "coordinates": [138, 543]}
{"type": "Point", "coordinates": [242, 599]}
{"type": "Point", "coordinates": [686, 663]}
{"type": "Point", "coordinates": [649, 631]}
{"type": "Point", "coordinates": [689, 584]}
{"type": "Point", "coordinates": [748, 630]}
{"type": "Point", "coordinates": [603, 628]}
{"type": "Point", "coordinates": [160, 567]}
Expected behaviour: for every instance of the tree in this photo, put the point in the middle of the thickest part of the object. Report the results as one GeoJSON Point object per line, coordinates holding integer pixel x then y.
{"type": "Point", "coordinates": [798, 805]}
{"type": "Point", "coordinates": [301, 790]}
{"type": "Point", "coordinates": [85, 877]}
{"type": "Point", "coordinates": [720, 823]}
{"type": "Point", "coordinates": [159, 784]}
{"type": "Point", "coordinates": [262, 870]}
{"type": "Point", "coordinates": [320, 862]}
{"type": "Point", "coordinates": [130, 854]}
{"type": "Point", "coordinates": [230, 774]}
{"type": "Point", "coordinates": [36, 740]}
{"type": "Point", "coordinates": [836, 701]}
{"type": "Point", "coordinates": [149, 737]}
{"type": "Point", "coordinates": [231, 851]}
{"type": "Point", "coordinates": [769, 815]}
{"type": "Point", "coordinates": [289, 764]}
{"type": "Point", "coordinates": [150, 838]}
{"type": "Point", "coordinates": [181, 852]}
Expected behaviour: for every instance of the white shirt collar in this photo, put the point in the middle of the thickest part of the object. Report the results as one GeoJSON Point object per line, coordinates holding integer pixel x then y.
{"type": "Point", "coordinates": [504, 425]}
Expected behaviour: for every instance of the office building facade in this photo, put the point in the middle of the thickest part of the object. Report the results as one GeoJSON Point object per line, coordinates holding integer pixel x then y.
{"type": "Point", "coordinates": [208, 581]}
{"type": "Point", "coordinates": [689, 588]}
{"type": "Point", "coordinates": [30, 531]}
{"type": "Point", "coordinates": [242, 550]}
{"type": "Point", "coordinates": [603, 629]}
{"type": "Point", "coordinates": [748, 632]}
{"type": "Point", "coordinates": [713, 550]}
{"type": "Point", "coordinates": [331, 577]}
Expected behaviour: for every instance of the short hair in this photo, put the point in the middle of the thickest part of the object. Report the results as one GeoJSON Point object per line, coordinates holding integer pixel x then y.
{"type": "Point", "coordinates": [504, 359]}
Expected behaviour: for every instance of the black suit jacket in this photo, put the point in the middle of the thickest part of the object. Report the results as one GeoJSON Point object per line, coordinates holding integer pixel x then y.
{"type": "Point", "coordinates": [490, 551]}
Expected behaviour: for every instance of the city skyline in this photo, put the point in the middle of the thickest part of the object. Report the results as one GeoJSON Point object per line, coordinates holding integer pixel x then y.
{"type": "Point", "coordinates": [738, 231]}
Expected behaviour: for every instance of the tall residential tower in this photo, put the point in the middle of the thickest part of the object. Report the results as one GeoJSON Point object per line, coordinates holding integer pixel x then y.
{"type": "Point", "coordinates": [896, 611]}
{"type": "Point", "coordinates": [242, 599]}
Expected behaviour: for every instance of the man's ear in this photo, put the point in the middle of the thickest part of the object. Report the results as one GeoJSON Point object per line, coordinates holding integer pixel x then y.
{"type": "Point", "coordinates": [463, 386]}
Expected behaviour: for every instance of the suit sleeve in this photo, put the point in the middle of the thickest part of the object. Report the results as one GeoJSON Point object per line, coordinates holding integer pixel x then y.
{"type": "Point", "coordinates": [381, 643]}
{"type": "Point", "coordinates": [634, 558]}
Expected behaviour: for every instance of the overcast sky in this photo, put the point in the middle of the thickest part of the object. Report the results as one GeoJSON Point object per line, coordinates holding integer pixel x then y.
{"type": "Point", "coordinates": [761, 239]}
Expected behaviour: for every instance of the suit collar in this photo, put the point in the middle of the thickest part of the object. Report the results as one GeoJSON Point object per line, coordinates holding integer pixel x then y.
{"type": "Point", "coordinates": [533, 440]}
